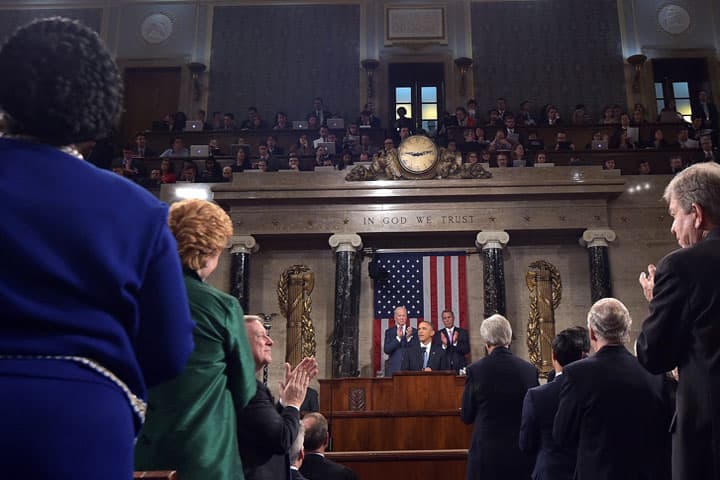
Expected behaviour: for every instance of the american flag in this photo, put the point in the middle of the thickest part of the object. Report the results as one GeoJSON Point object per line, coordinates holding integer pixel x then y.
{"type": "Point", "coordinates": [425, 283]}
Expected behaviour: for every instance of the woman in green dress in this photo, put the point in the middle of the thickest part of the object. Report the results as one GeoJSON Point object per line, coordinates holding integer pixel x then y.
{"type": "Point", "coordinates": [191, 422]}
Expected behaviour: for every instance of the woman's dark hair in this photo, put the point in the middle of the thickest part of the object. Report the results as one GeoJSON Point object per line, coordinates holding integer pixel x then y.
{"type": "Point", "coordinates": [60, 84]}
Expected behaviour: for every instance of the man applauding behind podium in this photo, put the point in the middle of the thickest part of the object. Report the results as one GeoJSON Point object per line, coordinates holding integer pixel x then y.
{"type": "Point", "coordinates": [397, 339]}
{"type": "Point", "coordinates": [455, 342]}
{"type": "Point", "coordinates": [425, 355]}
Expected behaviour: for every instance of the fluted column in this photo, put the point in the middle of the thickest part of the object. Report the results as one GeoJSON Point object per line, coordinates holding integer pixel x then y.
{"type": "Point", "coordinates": [492, 243]}
{"type": "Point", "coordinates": [241, 246]}
{"type": "Point", "coordinates": [596, 241]}
{"type": "Point", "coordinates": [347, 305]}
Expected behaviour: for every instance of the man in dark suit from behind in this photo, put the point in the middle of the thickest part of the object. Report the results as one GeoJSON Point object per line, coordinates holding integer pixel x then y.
{"type": "Point", "coordinates": [611, 409]}
{"type": "Point", "coordinates": [426, 355]}
{"type": "Point", "coordinates": [397, 339]}
{"type": "Point", "coordinates": [454, 340]}
{"type": "Point", "coordinates": [494, 391]}
{"type": "Point", "coordinates": [540, 406]}
{"type": "Point", "coordinates": [297, 455]}
{"type": "Point", "coordinates": [266, 430]}
{"type": "Point", "coordinates": [315, 465]}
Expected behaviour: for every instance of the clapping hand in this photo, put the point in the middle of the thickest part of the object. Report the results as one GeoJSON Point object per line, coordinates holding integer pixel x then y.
{"type": "Point", "coordinates": [296, 381]}
{"type": "Point", "coordinates": [409, 332]}
{"type": "Point", "coordinates": [647, 281]}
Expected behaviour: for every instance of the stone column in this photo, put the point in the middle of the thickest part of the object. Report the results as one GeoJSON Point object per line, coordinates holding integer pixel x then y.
{"type": "Point", "coordinates": [240, 249]}
{"type": "Point", "coordinates": [492, 243]}
{"type": "Point", "coordinates": [596, 241]}
{"type": "Point", "coordinates": [347, 305]}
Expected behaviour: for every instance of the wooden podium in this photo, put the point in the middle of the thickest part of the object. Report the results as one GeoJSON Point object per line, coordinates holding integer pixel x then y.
{"type": "Point", "coordinates": [407, 425]}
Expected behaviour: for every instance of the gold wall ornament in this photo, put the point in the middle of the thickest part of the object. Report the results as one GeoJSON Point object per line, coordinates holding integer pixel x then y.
{"type": "Point", "coordinates": [543, 281]}
{"type": "Point", "coordinates": [294, 288]}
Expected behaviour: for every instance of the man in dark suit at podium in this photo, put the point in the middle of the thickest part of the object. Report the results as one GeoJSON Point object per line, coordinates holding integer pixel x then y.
{"type": "Point", "coordinates": [425, 355]}
{"type": "Point", "coordinates": [455, 341]}
{"type": "Point", "coordinates": [492, 400]}
{"type": "Point", "coordinates": [397, 339]}
{"type": "Point", "coordinates": [315, 465]}
{"type": "Point", "coordinates": [539, 410]}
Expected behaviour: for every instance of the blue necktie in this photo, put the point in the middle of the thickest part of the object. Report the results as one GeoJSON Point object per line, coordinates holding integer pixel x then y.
{"type": "Point", "coordinates": [425, 356]}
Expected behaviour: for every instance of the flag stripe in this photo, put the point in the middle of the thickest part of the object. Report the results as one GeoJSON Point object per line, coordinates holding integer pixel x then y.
{"type": "Point", "coordinates": [462, 293]}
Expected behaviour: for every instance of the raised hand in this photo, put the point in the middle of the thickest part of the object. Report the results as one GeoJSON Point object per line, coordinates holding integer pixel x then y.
{"type": "Point", "coordinates": [455, 336]}
{"type": "Point", "coordinates": [443, 338]}
{"type": "Point", "coordinates": [647, 281]}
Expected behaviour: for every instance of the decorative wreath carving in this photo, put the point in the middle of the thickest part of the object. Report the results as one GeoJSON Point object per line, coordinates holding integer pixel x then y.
{"type": "Point", "coordinates": [294, 289]}
{"type": "Point", "coordinates": [541, 320]}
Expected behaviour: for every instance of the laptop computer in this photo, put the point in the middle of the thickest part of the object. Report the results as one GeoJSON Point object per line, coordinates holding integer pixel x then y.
{"type": "Point", "coordinates": [329, 146]}
{"type": "Point", "coordinates": [199, 151]}
{"type": "Point", "coordinates": [193, 126]}
{"type": "Point", "coordinates": [513, 138]}
{"type": "Point", "coordinates": [519, 163]}
{"type": "Point", "coordinates": [542, 165]}
{"type": "Point", "coordinates": [536, 144]}
{"type": "Point", "coordinates": [335, 123]}
{"type": "Point", "coordinates": [300, 125]}
{"type": "Point", "coordinates": [599, 145]}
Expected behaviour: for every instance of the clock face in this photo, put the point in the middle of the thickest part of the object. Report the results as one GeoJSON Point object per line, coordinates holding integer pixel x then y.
{"type": "Point", "coordinates": [417, 155]}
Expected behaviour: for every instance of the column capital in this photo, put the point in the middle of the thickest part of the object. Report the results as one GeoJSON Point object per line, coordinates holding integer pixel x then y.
{"type": "Point", "coordinates": [597, 237]}
{"type": "Point", "coordinates": [491, 239]}
{"type": "Point", "coordinates": [345, 242]}
{"type": "Point", "coordinates": [243, 244]}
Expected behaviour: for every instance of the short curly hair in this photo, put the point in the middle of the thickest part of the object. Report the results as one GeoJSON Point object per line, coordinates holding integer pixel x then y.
{"type": "Point", "coordinates": [201, 229]}
{"type": "Point", "coordinates": [60, 84]}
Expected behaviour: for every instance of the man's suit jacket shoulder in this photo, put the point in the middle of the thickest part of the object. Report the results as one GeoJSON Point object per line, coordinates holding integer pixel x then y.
{"type": "Point", "coordinates": [318, 467]}
{"type": "Point", "coordinates": [265, 433]}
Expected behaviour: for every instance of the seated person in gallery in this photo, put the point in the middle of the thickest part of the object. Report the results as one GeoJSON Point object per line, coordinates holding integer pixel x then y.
{"type": "Point", "coordinates": [189, 172]}
{"type": "Point", "coordinates": [624, 142]}
{"type": "Point", "coordinates": [303, 146]}
{"type": "Point", "coordinates": [501, 160]}
{"type": "Point", "coordinates": [471, 158]}
{"type": "Point", "coordinates": [351, 140]}
{"type": "Point", "coordinates": [227, 174]}
{"type": "Point", "coordinates": [228, 122]}
{"type": "Point", "coordinates": [133, 166]}
{"type": "Point", "coordinates": [427, 355]}
{"type": "Point", "coordinates": [658, 141]}
{"type": "Point", "coordinates": [273, 148]}
{"type": "Point", "coordinates": [644, 168]}
{"type": "Point", "coordinates": [323, 133]}
{"type": "Point", "coordinates": [524, 116]}
{"type": "Point", "coordinates": [141, 150]}
{"type": "Point", "coordinates": [323, 158]}
{"type": "Point", "coordinates": [294, 162]}
{"type": "Point", "coordinates": [638, 118]}
{"type": "Point", "coordinates": [677, 164]}
{"type": "Point", "coordinates": [552, 117]}
{"type": "Point", "coordinates": [403, 121]}
{"type": "Point", "coordinates": [366, 145]}
{"type": "Point", "coordinates": [500, 143]}
{"type": "Point", "coordinates": [494, 119]}
{"type": "Point", "coordinates": [242, 161]}
{"type": "Point", "coordinates": [319, 112]}
{"type": "Point", "coordinates": [281, 121]}
{"type": "Point", "coordinates": [450, 154]}
{"type": "Point", "coordinates": [214, 148]}
{"type": "Point", "coordinates": [368, 120]}
{"type": "Point", "coordinates": [313, 122]}
{"type": "Point", "coordinates": [167, 171]}
{"type": "Point", "coordinates": [541, 157]}
{"type": "Point", "coordinates": [684, 140]}
{"type": "Point", "coordinates": [176, 150]}
{"type": "Point", "coordinates": [609, 164]}
{"type": "Point", "coordinates": [563, 143]}
{"type": "Point", "coordinates": [518, 154]}
{"type": "Point", "coordinates": [212, 172]}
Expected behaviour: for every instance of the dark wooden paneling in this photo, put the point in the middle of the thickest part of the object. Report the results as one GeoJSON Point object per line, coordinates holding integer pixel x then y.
{"type": "Point", "coordinates": [415, 464]}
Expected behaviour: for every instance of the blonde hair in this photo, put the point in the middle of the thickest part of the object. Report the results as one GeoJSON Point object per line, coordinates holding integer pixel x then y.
{"type": "Point", "coordinates": [201, 229]}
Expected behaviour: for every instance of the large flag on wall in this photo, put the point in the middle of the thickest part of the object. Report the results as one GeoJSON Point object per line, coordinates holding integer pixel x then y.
{"type": "Point", "coordinates": [425, 283]}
